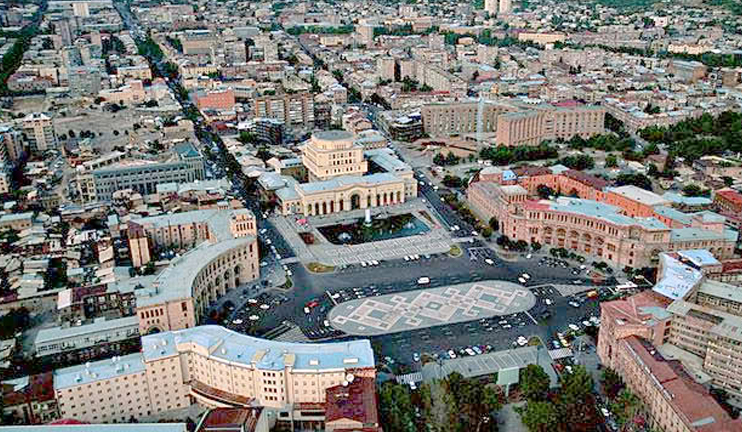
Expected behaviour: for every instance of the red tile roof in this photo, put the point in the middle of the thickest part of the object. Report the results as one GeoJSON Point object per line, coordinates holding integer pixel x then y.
{"type": "Point", "coordinates": [356, 401]}
{"type": "Point", "coordinates": [731, 195]}
{"type": "Point", "coordinates": [586, 179]}
{"type": "Point", "coordinates": [227, 419]}
{"type": "Point", "coordinates": [687, 397]}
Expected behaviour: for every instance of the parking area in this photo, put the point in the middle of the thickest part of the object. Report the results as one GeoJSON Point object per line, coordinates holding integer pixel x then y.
{"type": "Point", "coordinates": [430, 307]}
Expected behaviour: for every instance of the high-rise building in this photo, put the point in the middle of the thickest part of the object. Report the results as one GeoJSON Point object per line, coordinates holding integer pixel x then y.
{"type": "Point", "coordinates": [39, 131]}
{"type": "Point", "coordinates": [294, 110]}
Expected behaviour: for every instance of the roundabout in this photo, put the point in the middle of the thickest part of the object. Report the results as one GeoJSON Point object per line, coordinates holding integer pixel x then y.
{"type": "Point", "coordinates": [418, 309]}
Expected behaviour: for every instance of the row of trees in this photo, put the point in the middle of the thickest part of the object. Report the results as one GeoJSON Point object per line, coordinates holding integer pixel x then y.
{"type": "Point", "coordinates": [449, 159]}
{"type": "Point", "coordinates": [503, 155]}
{"type": "Point", "coordinates": [12, 59]}
{"type": "Point", "coordinates": [572, 407]}
{"type": "Point", "coordinates": [298, 30]}
{"type": "Point", "coordinates": [696, 137]}
{"type": "Point", "coordinates": [454, 404]}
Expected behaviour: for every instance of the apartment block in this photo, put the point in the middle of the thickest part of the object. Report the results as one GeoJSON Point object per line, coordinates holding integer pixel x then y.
{"type": "Point", "coordinates": [294, 110]}
{"type": "Point", "coordinates": [39, 131]}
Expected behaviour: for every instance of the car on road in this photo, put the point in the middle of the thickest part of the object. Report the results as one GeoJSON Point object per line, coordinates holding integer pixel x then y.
{"type": "Point", "coordinates": [574, 304]}
{"type": "Point", "coordinates": [423, 280]}
{"type": "Point", "coordinates": [416, 357]}
{"type": "Point", "coordinates": [521, 280]}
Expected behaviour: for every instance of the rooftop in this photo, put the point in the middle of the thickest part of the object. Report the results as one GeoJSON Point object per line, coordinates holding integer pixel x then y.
{"type": "Point", "coordinates": [687, 397]}
{"type": "Point", "coordinates": [347, 181]}
{"type": "Point", "coordinates": [218, 220]}
{"type": "Point", "coordinates": [228, 345]}
{"type": "Point", "coordinates": [96, 327]}
{"type": "Point", "coordinates": [176, 281]}
{"type": "Point", "coordinates": [97, 371]}
{"type": "Point", "coordinates": [640, 195]}
{"type": "Point", "coordinates": [133, 427]}
{"type": "Point", "coordinates": [597, 210]}
{"type": "Point", "coordinates": [677, 279]}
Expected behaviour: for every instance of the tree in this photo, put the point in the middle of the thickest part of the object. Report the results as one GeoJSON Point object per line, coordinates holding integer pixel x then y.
{"type": "Point", "coordinates": [452, 181]}
{"type": "Point", "coordinates": [494, 224]}
{"type": "Point", "coordinates": [638, 180]}
{"type": "Point", "coordinates": [625, 406]}
{"type": "Point", "coordinates": [611, 382]}
{"type": "Point", "coordinates": [17, 320]}
{"type": "Point", "coordinates": [539, 416]}
{"type": "Point", "coordinates": [693, 190]}
{"type": "Point", "coordinates": [395, 407]}
{"type": "Point", "coordinates": [487, 232]}
{"type": "Point", "coordinates": [439, 406]}
{"type": "Point", "coordinates": [576, 401]}
{"type": "Point", "coordinates": [611, 161]}
{"type": "Point", "coordinates": [578, 162]}
{"type": "Point", "coordinates": [263, 154]}
{"type": "Point", "coordinates": [536, 246]}
{"type": "Point", "coordinates": [534, 383]}
{"type": "Point", "coordinates": [728, 181]}
{"type": "Point", "coordinates": [544, 192]}
{"type": "Point", "coordinates": [439, 159]}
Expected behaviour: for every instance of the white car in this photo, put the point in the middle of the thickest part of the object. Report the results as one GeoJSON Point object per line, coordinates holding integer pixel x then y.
{"type": "Point", "coordinates": [452, 354]}
{"type": "Point", "coordinates": [363, 263]}
{"type": "Point", "coordinates": [526, 276]}
{"type": "Point", "coordinates": [529, 256]}
{"type": "Point", "coordinates": [574, 327]}
{"type": "Point", "coordinates": [307, 311]}
{"type": "Point", "coordinates": [548, 302]}
{"type": "Point", "coordinates": [521, 280]}
{"type": "Point", "coordinates": [522, 341]}
{"type": "Point", "coordinates": [423, 280]}
{"type": "Point", "coordinates": [406, 258]}
{"type": "Point", "coordinates": [374, 262]}
{"type": "Point", "coordinates": [470, 352]}
{"type": "Point", "coordinates": [489, 261]}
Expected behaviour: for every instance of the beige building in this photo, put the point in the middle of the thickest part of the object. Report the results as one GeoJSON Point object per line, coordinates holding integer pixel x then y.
{"type": "Point", "coordinates": [331, 154]}
{"type": "Point", "coordinates": [211, 366]}
{"type": "Point", "coordinates": [294, 110]}
{"type": "Point", "coordinates": [187, 229]}
{"type": "Point", "coordinates": [39, 130]}
{"type": "Point", "coordinates": [336, 163]}
{"type": "Point", "coordinates": [443, 119]}
{"type": "Point", "coordinates": [531, 127]}
{"type": "Point", "coordinates": [539, 38]}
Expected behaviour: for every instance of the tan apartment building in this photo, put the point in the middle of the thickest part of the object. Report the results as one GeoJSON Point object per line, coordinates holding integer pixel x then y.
{"type": "Point", "coordinates": [294, 110]}
{"type": "Point", "coordinates": [39, 130]}
{"type": "Point", "coordinates": [197, 42]}
{"type": "Point", "coordinates": [187, 229]}
{"type": "Point", "coordinates": [541, 38]}
{"type": "Point", "coordinates": [211, 366]}
{"type": "Point", "coordinates": [445, 119]}
{"type": "Point", "coordinates": [531, 127]}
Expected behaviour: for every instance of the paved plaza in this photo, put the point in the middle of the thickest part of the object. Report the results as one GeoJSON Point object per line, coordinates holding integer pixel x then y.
{"type": "Point", "coordinates": [418, 309]}
{"type": "Point", "coordinates": [436, 241]}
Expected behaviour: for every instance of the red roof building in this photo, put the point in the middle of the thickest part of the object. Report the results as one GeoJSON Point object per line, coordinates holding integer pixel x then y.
{"type": "Point", "coordinates": [352, 406]}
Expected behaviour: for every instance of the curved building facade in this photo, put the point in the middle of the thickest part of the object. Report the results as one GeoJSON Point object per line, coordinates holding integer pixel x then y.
{"type": "Point", "coordinates": [212, 366]}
